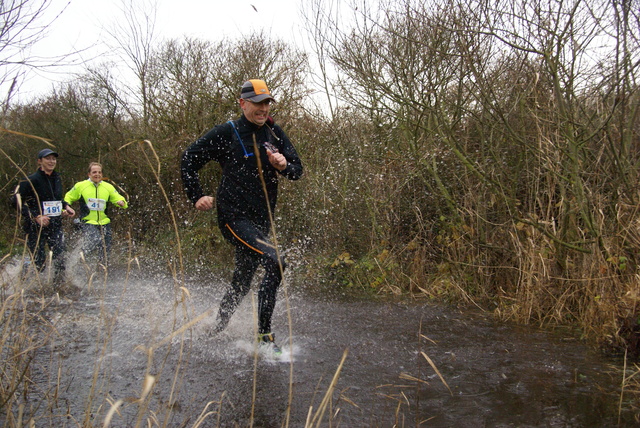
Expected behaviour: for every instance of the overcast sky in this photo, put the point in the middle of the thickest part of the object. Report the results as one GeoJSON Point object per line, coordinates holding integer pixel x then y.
{"type": "Point", "coordinates": [83, 24]}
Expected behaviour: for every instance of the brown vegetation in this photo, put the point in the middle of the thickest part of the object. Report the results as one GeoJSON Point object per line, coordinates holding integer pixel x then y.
{"type": "Point", "coordinates": [474, 155]}
{"type": "Point", "coordinates": [482, 153]}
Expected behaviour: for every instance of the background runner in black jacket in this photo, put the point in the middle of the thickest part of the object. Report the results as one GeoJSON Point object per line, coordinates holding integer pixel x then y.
{"type": "Point", "coordinates": [39, 198]}
{"type": "Point", "coordinates": [247, 149]}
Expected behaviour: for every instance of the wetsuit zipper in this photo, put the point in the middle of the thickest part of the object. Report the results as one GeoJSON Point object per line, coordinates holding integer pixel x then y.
{"type": "Point", "coordinates": [98, 212]}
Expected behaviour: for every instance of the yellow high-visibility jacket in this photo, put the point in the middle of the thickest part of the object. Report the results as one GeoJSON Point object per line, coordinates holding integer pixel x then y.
{"type": "Point", "coordinates": [93, 200]}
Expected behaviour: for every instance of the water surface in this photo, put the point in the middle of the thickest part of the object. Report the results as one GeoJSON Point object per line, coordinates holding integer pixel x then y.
{"type": "Point", "coordinates": [408, 363]}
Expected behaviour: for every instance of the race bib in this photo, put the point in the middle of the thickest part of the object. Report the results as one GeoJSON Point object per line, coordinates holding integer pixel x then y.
{"type": "Point", "coordinates": [96, 204]}
{"type": "Point", "coordinates": [52, 208]}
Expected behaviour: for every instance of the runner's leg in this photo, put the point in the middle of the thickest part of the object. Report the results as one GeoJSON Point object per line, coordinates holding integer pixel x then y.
{"type": "Point", "coordinates": [105, 243]}
{"type": "Point", "coordinates": [268, 291]}
{"type": "Point", "coordinates": [246, 265]}
{"type": "Point", "coordinates": [254, 239]}
{"type": "Point", "coordinates": [55, 240]}
{"type": "Point", "coordinates": [91, 239]}
{"type": "Point", "coordinates": [36, 243]}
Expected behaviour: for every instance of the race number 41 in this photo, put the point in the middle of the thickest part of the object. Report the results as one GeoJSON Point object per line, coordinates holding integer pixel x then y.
{"type": "Point", "coordinates": [96, 204]}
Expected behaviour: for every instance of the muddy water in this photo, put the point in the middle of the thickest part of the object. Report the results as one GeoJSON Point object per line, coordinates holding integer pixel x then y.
{"type": "Point", "coordinates": [407, 363]}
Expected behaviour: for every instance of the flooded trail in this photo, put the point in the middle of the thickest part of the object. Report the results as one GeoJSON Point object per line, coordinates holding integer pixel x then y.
{"type": "Point", "coordinates": [407, 363]}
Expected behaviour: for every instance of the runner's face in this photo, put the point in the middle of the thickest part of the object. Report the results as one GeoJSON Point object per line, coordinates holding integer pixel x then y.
{"type": "Point", "coordinates": [48, 164]}
{"type": "Point", "coordinates": [95, 174]}
{"type": "Point", "coordinates": [256, 112]}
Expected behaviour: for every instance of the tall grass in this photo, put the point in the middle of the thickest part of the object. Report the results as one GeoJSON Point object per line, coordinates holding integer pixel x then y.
{"type": "Point", "coordinates": [26, 333]}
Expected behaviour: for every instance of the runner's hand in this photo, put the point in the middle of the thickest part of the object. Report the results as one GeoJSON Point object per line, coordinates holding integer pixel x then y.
{"type": "Point", "coordinates": [42, 220]}
{"type": "Point", "coordinates": [205, 203]}
{"type": "Point", "coordinates": [278, 160]}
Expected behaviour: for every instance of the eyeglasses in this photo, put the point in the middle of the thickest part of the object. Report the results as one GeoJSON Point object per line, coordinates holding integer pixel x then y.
{"type": "Point", "coordinates": [267, 102]}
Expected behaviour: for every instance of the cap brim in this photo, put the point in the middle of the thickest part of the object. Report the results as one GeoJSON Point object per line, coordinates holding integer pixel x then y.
{"type": "Point", "coordinates": [45, 154]}
{"type": "Point", "coordinates": [259, 98]}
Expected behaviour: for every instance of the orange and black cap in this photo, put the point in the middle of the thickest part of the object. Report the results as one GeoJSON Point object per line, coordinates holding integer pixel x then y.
{"type": "Point", "coordinates": [255, 91]}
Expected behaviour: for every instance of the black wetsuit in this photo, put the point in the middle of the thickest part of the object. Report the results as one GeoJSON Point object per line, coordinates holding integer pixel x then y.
{"type": "Point", "coordinates": [35, 192]}
{"type": "Point", "coordinates": [243, 209]}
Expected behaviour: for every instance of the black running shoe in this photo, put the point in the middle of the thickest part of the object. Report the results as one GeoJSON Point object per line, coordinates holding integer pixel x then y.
{"type": "Point", "coordinates": [267, 343]}
{"type": "Point", "coordinates": [221, 324]}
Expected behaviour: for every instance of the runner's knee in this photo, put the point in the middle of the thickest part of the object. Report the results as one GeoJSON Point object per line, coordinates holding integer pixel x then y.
{"type": "Point", "coordinates": [272, 264]}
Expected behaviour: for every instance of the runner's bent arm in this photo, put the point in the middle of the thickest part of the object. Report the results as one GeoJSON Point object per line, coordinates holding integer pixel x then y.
{"type": "Point", "coordinates": [293, 170]}
{"type": "Point", "coordinates": [116, 198]}
{"type": "Point", "coordinates": [196, 156]}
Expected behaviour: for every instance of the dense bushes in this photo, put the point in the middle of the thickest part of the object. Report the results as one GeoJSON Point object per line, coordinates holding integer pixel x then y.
{"type": "Point", "coordinates": [464, 161]}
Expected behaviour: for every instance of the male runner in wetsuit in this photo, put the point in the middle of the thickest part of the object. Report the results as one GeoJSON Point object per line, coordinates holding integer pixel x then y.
{"type": "Point", "coordinates": [250, 150]}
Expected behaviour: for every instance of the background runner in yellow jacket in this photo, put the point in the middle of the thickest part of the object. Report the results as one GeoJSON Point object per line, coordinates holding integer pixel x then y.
{"type": "Point", "coordinates": [94, 194]}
